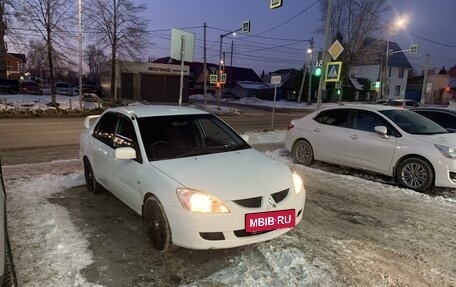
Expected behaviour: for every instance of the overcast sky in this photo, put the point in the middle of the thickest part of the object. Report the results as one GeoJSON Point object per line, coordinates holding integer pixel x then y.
{"type": "Point", "coordinates": [430, 26]}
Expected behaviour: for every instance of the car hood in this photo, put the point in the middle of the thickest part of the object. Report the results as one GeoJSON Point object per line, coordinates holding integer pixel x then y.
{"type": "Point", "coordinates": [441, 139]}
{"type": "Point", "coordinates": [229, 175]}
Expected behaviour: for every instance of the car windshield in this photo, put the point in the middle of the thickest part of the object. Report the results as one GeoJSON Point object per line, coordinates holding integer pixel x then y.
{"type": "Point", "coordinates": [395, 103]}
{"type": "Point", "coordinates": [414, 123]}
{"type": "Point", "coordinates": [169, 137]}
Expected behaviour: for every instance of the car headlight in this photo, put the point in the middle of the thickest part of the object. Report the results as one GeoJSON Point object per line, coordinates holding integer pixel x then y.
{"type": "Point", "coordinates": [198, 201]}
{"type": "Point", "coordinates": [447, 152]}
{"type": "Point", "coordinates": [298, 184]}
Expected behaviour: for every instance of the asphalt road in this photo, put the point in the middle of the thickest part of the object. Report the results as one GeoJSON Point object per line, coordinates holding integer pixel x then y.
{"type": "Point", "coordinates": [32, 140]}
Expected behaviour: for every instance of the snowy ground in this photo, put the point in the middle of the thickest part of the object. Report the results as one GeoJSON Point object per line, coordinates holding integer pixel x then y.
{"type": "Point", "coordinates": [396, 237]}
{"type": "Point", "coordinates": [358, 230]}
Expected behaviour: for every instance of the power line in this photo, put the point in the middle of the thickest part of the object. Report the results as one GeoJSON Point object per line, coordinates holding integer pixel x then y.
{"type": "Point", "coordinates": [289, 20]}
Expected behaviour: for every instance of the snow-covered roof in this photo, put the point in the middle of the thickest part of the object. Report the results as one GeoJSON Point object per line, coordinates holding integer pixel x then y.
{"type": "Point", "coordinates": [252, 85]}
{"type": "Point", "coordinates": [356, 84]}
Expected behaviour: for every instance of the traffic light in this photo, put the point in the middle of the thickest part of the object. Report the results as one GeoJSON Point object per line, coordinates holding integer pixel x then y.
{"type": "Point", "coordinates": [318, 66]}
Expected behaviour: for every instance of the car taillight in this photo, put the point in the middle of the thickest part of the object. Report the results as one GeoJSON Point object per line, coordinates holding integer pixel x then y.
{"type": "Point", "coordinates": [290, 126]}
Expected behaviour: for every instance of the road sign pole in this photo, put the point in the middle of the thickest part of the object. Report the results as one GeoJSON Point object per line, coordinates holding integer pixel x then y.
{"type": "Point", "coordinates": [273, 108]}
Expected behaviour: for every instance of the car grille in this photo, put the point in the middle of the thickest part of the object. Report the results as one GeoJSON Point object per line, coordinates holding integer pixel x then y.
{"type": "Point", "coordinates": [255, 202]}
{"type": "Point", "coordinates": [279, 196]}
{"type": "Point", "coordinates": [243, 233]}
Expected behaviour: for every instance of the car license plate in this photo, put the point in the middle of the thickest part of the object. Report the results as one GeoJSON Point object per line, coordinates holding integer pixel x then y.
{"type": "Point", "coordinates": [270, 220]}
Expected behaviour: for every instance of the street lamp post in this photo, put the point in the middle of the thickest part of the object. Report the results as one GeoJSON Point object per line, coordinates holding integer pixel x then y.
{"type": "Point", "coordinates": [219, 94]}
{"type": "Point", "coordinates": [384, 88]}
{"type": "Point", "coordinates": [309, 92]}
{"type": "Point", "coordinates": [398, 24]}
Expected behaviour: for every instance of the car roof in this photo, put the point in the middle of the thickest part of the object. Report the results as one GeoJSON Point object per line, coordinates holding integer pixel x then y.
{"type": "Point", "coordinates": [439, 109]}
{"type": "Point", "coordinates": [402, 101]}
{"type": "Point", "coordinates": [142, 111]}
{"type": "Point", "coordinates": [371, 107]}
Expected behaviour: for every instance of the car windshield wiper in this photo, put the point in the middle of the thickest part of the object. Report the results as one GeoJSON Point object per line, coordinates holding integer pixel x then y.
{"type": "Point", "coordinates": [236, 147]}
{"type": "Point", "coordinates": [213, 149]}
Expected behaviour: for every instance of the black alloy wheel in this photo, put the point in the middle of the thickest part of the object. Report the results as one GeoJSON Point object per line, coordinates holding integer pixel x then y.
{"type": "Point", "coordinates": [156, 223]}
{"type": "Point", "coordinates": [91, 183]}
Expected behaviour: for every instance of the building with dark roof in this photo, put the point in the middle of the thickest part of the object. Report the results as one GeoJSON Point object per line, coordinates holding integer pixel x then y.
{"type": "Point", "coordinates": [196, 76]}
{"type": "Point", "coordinates": [15, 65]}
{"type": "Point", "coordinates": [372, 68]}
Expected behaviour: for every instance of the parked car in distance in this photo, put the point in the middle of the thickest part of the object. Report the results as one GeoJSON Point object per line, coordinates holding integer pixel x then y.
{"type": "Point", "coordinates": [30, 87]}
{"type": "Point", "coordinates": [417, 152]}
{"type": "Point", "coordinates": [62, 88]}
{"type": "Point", "coordinates": [88, 89]}
{"type": "Point", "coordinates": [9, 86]}
{"type": "Point", "coordinates": [7, 270]}
{"type": "Point", "coordinates": [403, 103]}
{"type": "Point", "coordinates": [194, 180]}
{"type": "Point", "coordinates": [382, 101]}
{"type": "Point", "coordinates": [445, 117]}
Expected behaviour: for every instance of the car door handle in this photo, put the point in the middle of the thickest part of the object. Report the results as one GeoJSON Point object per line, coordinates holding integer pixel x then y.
{"type": "Point", "coordinates": [354, 137]}
{"type": "Point", "coordinates": [316, 130]}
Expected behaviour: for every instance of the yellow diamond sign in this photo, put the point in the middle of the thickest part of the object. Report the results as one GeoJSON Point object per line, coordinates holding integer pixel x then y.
{"type": "Point", "coordinates": [335, 50]}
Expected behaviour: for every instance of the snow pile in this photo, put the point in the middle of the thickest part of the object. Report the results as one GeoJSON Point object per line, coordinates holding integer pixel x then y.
{"type": "Point", "coordinates": [277, 136]}
{"type": "Point", "coordinates": [271, 266]}
{"type": "Point", "coordinates": [36, 102]}
{"type": "Point", "coordinates": [47, 246]}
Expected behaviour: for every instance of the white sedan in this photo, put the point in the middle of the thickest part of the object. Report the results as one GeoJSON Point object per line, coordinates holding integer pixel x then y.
{"type": "Point", "coordinates": [392, 141]}
{"type": "Point", "coordinates": [195, 181]}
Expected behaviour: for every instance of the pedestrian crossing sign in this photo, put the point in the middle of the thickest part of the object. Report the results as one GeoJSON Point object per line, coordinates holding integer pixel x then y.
{"type": "Point", "coordinates": [333, 71]}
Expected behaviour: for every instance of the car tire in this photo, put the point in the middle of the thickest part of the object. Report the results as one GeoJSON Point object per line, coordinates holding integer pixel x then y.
{"type": "Point", "coordinates": [157, 227]}
{"type": "Point", "coordinates": [9, 275]}
{"type": "Point", "coordinates": [91, 182]}
{"type": "Point", "coordinates": [302, 152]}
{"type": "Point", "coordinates": [415, 173]}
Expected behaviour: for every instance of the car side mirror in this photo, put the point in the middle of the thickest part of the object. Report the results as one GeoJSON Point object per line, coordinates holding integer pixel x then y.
{"type": "Point", "coordinates": [124, 153]}
{"type": "Point", "coordinates": [382, 130]}
{"type": "Point", "coordinates": [245, 137]}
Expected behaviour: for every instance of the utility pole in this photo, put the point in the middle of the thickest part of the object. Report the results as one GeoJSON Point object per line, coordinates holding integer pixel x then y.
{"type": "Point", "coordinates": [80, 50]}
{"type": "Point", "coordinates": [205, 66]}
{"type": "Point", "coordinates": [322, 83]}
{"type": "Point", "coordinates": [231, 65]}
{"type": "Point", "coordinates": [304, 72]}
{"type": "Point", "coordinates": [423, 90]}
{"type": "Point", "coordinates": [3, 73]}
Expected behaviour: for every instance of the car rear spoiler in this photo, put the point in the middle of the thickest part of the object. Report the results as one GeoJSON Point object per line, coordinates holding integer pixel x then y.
{"type": "Point", "coordinates": [89, 120]}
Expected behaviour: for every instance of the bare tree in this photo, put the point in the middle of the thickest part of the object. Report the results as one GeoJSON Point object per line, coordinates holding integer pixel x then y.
{"type": "Point", "coordinates": [52, 19]}
{"type": "Point", "coordinates": [95, 59]}
{"type": "Point", "coordinates": [37, 59]}
{"type": "Point", "coordinates": [118, 26]}
{"type": "Point", "coordinates": [353, 23]}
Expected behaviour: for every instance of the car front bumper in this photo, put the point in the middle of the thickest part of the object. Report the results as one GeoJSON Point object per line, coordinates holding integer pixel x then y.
{"type": "Point", "coordinates": [216, 231]}
{"type": "Point", "coordinates": [445, 172]}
